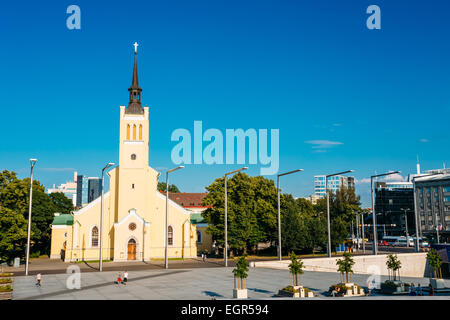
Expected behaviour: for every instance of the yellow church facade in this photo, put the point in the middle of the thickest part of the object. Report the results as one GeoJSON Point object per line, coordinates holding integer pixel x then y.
{"type": "Point", "coordinates": [134, 211]}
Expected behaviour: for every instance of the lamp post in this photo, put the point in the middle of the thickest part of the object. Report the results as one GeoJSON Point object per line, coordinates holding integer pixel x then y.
{"type": "Point", "coordinates": [362, 231]}
{"type": "Point", "coordinates": [279, 210]}
{"type": "Point", "coordinates": [374, 218]}
{"type": "Point", "coordinates": [416, 214]}
{"type": "Point", "coordinates": [32, 163]}
{"type": "Point", "coordinates": [101, 215]}
{"type": "Point", "coordinates": [225, 252]}
{"type": "Point", "coordinates": [328, 206]}
{"type": "Point", "coordinates": [166, 238]}
{"type": "Point", "coordinates": [406, 225]}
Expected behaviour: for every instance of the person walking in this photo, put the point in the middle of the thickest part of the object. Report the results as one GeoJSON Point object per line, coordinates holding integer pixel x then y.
{"type": "Point", "coordinates": [125, 277]}
{"type": "Point", "coordinates": [204, 257]}
{"type": "Point", "coordinates": [119, 279]}
{"type": "Point", "coordinates": [38, 279]}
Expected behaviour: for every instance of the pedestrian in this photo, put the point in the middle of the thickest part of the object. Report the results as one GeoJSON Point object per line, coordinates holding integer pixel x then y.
{"type": "Point", "coordinates": [412, 290]}
{"type": "Point", "coordinates": [125, 277]}
{"type": "Point", "coordinates": [419, 290]}
{"type": "Point", "coordinates": [431, 289]}
{"type": "Point", "coordinates": [204, 257]}
{"type": "Point", "coordinates": [38, 279]}
{"type": "Point", "coordinates": [119, 279]}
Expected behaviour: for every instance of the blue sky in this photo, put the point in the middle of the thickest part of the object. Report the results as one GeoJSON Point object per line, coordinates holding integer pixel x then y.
{"type": "Point", "coordinates": [308, 68]}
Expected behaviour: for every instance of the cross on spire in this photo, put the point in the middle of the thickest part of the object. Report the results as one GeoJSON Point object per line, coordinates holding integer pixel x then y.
{"type": "Point", "coordinates": [135, 47]}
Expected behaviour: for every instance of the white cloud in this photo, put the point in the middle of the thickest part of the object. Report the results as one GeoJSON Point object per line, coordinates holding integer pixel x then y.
{"type": "Point", "coordinates": [323, 144]}
{"type": "Point", "coordinates": [392, 177]}
{"type": "Point", "coordinates": [424, 140]}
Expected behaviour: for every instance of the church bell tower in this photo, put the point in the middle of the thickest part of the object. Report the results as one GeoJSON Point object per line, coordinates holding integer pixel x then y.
{"type": "Point", "coordinates": [134, 127]}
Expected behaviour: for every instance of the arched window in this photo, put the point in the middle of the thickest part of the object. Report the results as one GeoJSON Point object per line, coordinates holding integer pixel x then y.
{"type": "Point", "coordinates": [199, 237]}
{"type": "Point", "coordinates": [170, 236]}
{"type": "Point", "coordinates": [140, 132]}
{"type": "Point", "coordinates": [134, 132]}
{"type": "Point", "coordinates": [94, 237]}
{"type": "Point", "coordinates": [128, 132]}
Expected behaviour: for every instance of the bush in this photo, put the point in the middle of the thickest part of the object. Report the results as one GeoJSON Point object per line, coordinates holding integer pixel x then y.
{"type": "Point", "coordinates": [7, 288]}
{"type": "Point", "coordinates": [7, 280]}
{"type": "Point", "coordinates": [6, 274]}
{"type": "Point", "coordinates": [342, 289]}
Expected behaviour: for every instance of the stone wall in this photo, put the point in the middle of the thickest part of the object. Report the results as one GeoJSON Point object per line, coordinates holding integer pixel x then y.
{"type": "Point", "coordinates": [413, 264]}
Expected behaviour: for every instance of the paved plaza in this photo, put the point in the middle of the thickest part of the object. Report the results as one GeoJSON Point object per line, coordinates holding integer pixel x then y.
{"type": "Point", "coordinates": [182, 284]}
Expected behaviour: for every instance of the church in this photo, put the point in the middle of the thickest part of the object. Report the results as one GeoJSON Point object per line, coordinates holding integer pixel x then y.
{"type": "Point", "coordinates": [134, 211]}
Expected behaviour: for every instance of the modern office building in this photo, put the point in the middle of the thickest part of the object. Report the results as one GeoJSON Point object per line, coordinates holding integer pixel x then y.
{"type": "Point", "coordinates": [94, 188]}
{"type": "Point", "coordinates": [82, 191]}
{"type": "Point", "coordinates": [394, 207]}
{"type": "Point", "coordinates": [433, 203]}
{"type": "Point", "coordinates": [334, 184]}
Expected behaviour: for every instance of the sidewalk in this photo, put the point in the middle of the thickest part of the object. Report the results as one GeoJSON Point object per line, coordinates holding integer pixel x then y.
{"type": "Point", "coordinates": [192, 284]}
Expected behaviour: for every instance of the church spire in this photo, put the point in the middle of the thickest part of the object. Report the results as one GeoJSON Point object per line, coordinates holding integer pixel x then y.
{"type": "Point", "coordinates": [134, 106]}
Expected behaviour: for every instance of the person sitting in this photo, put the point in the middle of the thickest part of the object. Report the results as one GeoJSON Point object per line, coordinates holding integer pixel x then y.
{"type": "Point", "coordinates": [431, 290]}
{"type": "Point", "coordinates": [419, 290]}
{"type": "Point", "coordinates": [412, 290]}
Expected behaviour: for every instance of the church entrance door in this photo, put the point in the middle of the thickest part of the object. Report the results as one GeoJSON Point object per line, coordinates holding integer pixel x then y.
{"type": "Point", "coordinates": [132, 249]}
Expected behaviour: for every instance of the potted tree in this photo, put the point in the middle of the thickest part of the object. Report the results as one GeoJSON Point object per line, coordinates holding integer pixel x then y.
{"type": "Point", "coordinates": [394, 286]}
{"type": "Point", "coordinates": [346, 287]}
{"type": "Point", "coordinates": [434, 260]}
{"type": "Point", "coordinates": [295, 289]}
{"type": "Point", "coordinates": [240, 274]}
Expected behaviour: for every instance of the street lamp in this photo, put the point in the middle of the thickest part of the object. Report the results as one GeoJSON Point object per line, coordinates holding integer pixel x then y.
{"type": "Point", "coordinates": [279, 215]}
{"type": "Point", "coordinates": [416, 244]}
{"type": "Point", "coordinates": [225, 253]}
{"type": "Point", "coordinates": [328, 206]}
{"type": "Point", "coordinates": [166, 242]}
{"type": "Point", "coordinates": [363, 231]}
{"type": "Point", "coordinates": [32, 163]}
{"type": "Point", "coordinates": [406, 225]}
{"type": "Point", "coordinates": [101, 216]}
{"type": "Point", "coordinates": [375, 244]}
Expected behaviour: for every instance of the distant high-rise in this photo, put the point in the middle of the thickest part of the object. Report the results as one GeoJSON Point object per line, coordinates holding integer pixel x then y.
{"type": "Point", "coordinates": [334, 184]}
{"type": "Point", "coordinates": [94, 188]}
{"type": "Point", "coordinates": [82, 190]}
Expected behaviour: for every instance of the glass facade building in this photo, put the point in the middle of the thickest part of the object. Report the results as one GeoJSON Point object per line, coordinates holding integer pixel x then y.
{"type": "Point", "coordinates": [433, 203]}
{"type": "Point", "coordinates": [391, 201]}
{"type": "Point", "coordinates": [94, 188]}
{"type": "Point", "coordinates": [334, 184]}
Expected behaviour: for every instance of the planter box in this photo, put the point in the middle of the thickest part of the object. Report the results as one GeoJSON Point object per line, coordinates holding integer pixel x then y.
{"type": "Point", "coordinates": [5, 295]}
{"type": "Point", "coordinates": [437, 283]}
{"type": "Point", "coordinates": [240, 293]}
{"type": "Point", "coordinates": [398, 288]}
{"type": "Point", "coordinates": [302, 293]}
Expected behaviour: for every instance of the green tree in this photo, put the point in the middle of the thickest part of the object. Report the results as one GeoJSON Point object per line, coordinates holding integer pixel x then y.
{"type": "Point", "coordinates": [435, 261]}
{"type": "Point", "coordinates": [345, 266]}
{"type": "Point", "coordinates": [15, 195]}
{"type": "Point", "coordinates": [240, 272]}
{"type": "Point", "coordinates": [13, 234]}
{"type": "Point", "coordinates": [394, 265]}
{"type": "Point", "coordinates": [343, 206]}
{"type": "Point", "coordinates": [252, 211]}
{"type": "Point", "coordinates": [295, 268]}
{"type": "Point", "coordinates": [296, 220]}
{"type": "Point", "coordinates": [63, 204]}
{"type": "Point", "coordinates": [172, 188]}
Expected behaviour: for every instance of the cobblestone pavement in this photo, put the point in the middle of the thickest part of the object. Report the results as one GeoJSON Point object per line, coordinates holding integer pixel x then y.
{"type": "Point", "coordinates": [181, 284]}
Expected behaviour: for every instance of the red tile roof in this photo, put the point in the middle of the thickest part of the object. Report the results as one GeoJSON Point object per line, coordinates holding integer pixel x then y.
{"type": "Point", "coordinates": [188, 200]}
